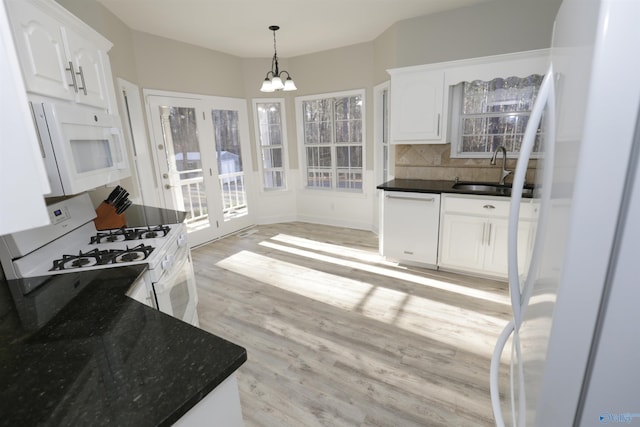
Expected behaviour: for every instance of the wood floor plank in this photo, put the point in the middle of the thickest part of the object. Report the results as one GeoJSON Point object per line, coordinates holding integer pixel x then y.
{"type": "Point", "coordinates": [337, 336]}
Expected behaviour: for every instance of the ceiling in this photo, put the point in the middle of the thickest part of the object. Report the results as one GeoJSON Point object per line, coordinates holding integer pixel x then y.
{"type": "Point", "coordinates": [240, 27]}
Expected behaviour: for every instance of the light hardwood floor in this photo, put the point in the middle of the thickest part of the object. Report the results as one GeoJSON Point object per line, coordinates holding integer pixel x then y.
{"type": "Point", "coordinates": [336, 336]}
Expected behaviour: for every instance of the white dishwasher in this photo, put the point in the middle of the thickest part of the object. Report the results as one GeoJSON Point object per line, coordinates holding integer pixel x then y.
{"type": "Point", "coordinates": [410, 223]}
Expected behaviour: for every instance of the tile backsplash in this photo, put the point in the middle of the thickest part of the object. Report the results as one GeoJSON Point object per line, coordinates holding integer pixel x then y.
{"type": "Point", "coordinates": [425, 161]}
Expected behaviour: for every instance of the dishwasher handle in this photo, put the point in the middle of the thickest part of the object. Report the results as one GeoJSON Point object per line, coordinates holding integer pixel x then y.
{"type": "Point", "coordinates": [417, 199]}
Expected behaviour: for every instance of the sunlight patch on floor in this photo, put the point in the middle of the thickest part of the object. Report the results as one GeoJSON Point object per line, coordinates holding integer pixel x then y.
{"type": "Point", "coordinates": [425, 317]}
{"type": "Point", "coordinates": [395, 274]}
{"type": "Point", "coordinates": [336, 250]}
{"type": "Point", "coordinates": [338, 291]}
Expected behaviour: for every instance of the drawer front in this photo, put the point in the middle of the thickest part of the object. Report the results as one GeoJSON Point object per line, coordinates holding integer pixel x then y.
{"type": "Point", "coordinates": [486, 206]}
{"type": "Point", "coordinates": [476, 205]}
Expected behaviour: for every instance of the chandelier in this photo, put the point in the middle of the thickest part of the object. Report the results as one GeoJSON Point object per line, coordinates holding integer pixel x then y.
{"type": "Point", "coordinates": [273, 81]}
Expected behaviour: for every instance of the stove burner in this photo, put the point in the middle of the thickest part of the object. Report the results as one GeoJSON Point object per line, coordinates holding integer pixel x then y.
{"type": "Point", "coordinates": [102, 257]}
{"type": "Point", "coordinates": [80, 262]}
{"type": "Point", "coordinates": [129, 256]}
{"type": "Point", "coordinates": [122, 234]}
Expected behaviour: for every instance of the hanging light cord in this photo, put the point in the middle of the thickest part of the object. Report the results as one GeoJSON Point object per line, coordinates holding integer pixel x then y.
{"type": "Point", "coordinates": [275, 56]}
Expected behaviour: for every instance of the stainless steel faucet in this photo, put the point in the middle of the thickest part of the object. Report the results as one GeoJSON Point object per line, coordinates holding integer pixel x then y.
{"type": "Point", "coordinates": [504, 173]}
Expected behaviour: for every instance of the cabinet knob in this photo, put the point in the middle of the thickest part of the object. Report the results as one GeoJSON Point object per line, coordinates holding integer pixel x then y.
{"type": "Point", "coordinates": [489, 207]}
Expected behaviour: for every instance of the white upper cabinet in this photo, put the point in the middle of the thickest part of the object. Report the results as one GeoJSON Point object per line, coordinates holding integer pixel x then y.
{"type": "Point", "coordinates": [416, 106]}
{"type": "Point", "coordinates": [60, 56]}
{"type": "Point", "coordinates": [420, 102]}
{"type": "Point", "coordinates": [89, 63]}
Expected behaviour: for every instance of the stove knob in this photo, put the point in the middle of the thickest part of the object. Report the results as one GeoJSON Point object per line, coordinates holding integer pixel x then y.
{"type": "Point", "coordinates": [167, 263]}
{"type": "Point", "coordinates": [182, 240]}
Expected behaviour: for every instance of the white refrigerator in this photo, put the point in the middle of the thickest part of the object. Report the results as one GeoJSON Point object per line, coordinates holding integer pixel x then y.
{"type": "Point", "coordinates": [574, 340]}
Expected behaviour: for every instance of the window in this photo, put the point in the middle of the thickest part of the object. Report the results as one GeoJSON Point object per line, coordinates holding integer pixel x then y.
{"type": "Point", "coordinates": [489, 114]}
{"type": "Point", "coordinates": [331, 131]}
{"type": "Point", "coordinates": [271, 138]}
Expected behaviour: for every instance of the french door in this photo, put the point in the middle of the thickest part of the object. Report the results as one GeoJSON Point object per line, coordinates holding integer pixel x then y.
{"type": "Point", "coordinates": [201, 155]}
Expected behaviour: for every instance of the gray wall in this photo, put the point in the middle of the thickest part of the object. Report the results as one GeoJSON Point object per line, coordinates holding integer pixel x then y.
{"type": "Point", "coordinates": [171, 65]}
{"type": "Point", "coordinates": [492, 28]}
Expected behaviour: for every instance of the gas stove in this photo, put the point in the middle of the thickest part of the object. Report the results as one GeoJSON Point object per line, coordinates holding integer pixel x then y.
{"type": "Point", "coordinates": [123, 234]}
{"type": "Point", "coordinates": [71, 244]}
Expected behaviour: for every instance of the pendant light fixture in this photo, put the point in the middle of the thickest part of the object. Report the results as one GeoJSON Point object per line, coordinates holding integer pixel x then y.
{"type": "Point", "coordinates": [273, 81]}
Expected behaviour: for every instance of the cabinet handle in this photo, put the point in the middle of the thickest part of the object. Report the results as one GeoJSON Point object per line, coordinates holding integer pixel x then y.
{"type": "Point", "coordinates": [74, 83]}
{"type": "Point", "coordinates": [489, 207]}
{"type": "Point", "coordinates": [417, 199]}
{"type": "Point", "coordinates": [489, 236]}
{"type": "Point", "coordinates": [484, 229]}
{"type": "Point", "coordinates": [438, 132]}
{"type": "Point", "coordinates": [84, 86]}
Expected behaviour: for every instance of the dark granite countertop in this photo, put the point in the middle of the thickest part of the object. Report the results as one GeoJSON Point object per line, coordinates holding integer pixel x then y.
{"type": "Point", "coordinates": [418, 186]}
{"type": "Point", "coordinates": [432, 186]}
{"type": "Point", "coordinates": [77, 351]}
{"type": "Point", "coordinates": [142, 216]}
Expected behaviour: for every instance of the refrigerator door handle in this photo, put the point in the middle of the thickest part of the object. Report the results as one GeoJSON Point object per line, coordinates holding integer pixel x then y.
{"type": "Point", "coordinates": [528, 141]}
{"type": "Point", "coordinates": [494, 371]}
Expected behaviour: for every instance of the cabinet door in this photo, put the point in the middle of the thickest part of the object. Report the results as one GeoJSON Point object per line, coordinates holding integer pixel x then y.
{"type": "Point", "coordinates": [462, 242]}
{"type": "Point", "coordinates": [41, 52]}
{"type": "Point", "coordinates": [88, 63]}
{"type": "Point", "coordinates": [416, 106]}
{"type": "Point", "coordinates": [410, 226]}
{"type": "Point", "coordinates": [497, 249]}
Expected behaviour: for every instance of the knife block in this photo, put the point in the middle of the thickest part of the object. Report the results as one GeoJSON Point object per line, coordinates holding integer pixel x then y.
{"type": "Point", "coordinates": [107, 218]}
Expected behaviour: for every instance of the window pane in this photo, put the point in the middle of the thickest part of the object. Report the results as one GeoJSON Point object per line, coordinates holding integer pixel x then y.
{"type": "Point", "coordinates": [319, 157]}
{"type": "Point", "coordinates": [272, 158]}
{"type": "Point", "coordinates": [325, 132]}
{"type": "Point", "coordinates": [341, 106]}
{"type": "Point", "coordinates": [355, 128]}
{"type": "Point", "coordinates": [342, 131]}
{"type": "Point", "coordinates": [275, 135]}
{"type": "Point", "coordinates": [311, 133]}
{"type": "Point", "coordinates": [319, 179]}
{"type": "Point", "coordinates": [273, 179]}
{"type": "Point", "coordinates": [349, 179]}
{"type": "Point", "coordinates": [227, 140]}
{"type": "Point", "coordinates": [271, 141]}
{"type": "Point", "coordinates": [349, 156]}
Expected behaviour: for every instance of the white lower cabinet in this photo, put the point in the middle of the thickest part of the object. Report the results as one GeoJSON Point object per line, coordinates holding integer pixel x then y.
{"type": "Point", "coordinates": [221, 407]}
{"type": "Point", "coordinates": [473, 236]}
{"type": "Point", "coordinates": [410, 227]}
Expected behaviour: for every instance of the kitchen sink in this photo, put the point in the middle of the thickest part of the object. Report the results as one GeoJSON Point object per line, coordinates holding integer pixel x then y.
{"type": "Point", "coordinates": [490, 188]}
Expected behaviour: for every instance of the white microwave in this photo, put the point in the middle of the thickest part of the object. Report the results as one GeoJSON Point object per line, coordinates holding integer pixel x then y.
{"type": "Point", "coordinates": [82, 147]}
